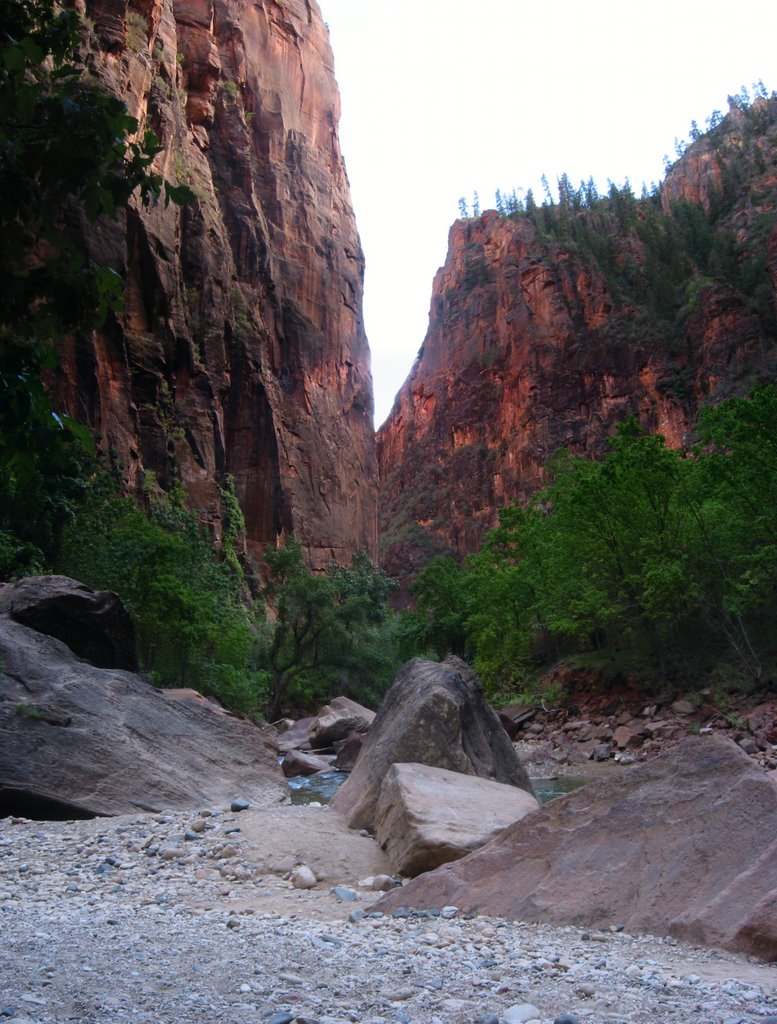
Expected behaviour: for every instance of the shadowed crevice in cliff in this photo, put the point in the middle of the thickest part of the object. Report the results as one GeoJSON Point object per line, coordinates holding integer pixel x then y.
{"type": "Point", "coordinates": [253, 459]}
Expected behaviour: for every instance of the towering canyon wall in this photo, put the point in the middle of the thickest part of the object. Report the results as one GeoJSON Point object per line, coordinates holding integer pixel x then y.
{"type": "Point", "coordinates": [241, 349]}
{"type": "Point", "coordinates": [540, 340]}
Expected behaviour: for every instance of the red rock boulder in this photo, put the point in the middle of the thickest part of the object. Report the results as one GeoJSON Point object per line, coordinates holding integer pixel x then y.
{"type": "Point", "coordinates": [684, 844]}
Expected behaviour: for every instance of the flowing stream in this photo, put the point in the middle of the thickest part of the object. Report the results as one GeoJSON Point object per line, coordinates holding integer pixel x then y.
{"type": "Point", "coordinates": [308, 789]}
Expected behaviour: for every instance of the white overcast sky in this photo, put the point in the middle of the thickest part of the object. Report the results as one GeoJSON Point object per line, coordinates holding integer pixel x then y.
{"type": "Point", "coordinates": [444, 97]}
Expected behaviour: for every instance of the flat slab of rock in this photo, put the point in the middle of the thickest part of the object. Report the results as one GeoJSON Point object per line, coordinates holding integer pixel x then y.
{"type": "Point", "coordinates": [684, 844]}
{"type": "Point", "coordinates": [297, 763]}
{"type": "Point", "coordinates": [428, 816]}
{"type": "Point", "coordinates": [76, 740]}
{"type": "Point", "coordinates": [434, 713]}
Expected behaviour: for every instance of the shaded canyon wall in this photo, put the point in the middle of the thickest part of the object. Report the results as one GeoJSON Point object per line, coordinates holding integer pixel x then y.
{"type": "Point", "coordinates": [241, 349]}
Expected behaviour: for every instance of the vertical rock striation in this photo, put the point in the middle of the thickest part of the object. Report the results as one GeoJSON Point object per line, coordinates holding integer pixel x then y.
{"type": "Point", "coordinates": [241, 349]}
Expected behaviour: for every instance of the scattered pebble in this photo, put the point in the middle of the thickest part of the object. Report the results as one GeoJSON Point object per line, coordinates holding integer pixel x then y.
{"type": "Point", "coordinates": [172, 930]}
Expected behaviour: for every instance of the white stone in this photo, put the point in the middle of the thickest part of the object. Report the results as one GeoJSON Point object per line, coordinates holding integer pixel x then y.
{"type": "Point", "coordinates": [521, 1014]}
{"type": "Point", "coordinates": [303, 878]}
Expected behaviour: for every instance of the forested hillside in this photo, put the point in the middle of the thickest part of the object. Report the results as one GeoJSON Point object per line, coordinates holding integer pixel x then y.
{"type": "Point", "coordinates": [553, 321]}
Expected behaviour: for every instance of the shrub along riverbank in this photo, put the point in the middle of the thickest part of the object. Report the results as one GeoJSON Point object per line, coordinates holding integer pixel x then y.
{"type": "Point", "coordinates": [656, 562]}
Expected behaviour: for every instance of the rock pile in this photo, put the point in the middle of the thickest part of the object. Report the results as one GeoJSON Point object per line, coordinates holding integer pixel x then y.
{"type": "Point", "coordinates": [433, 714]}
{"type": "Point", "coordinates": [335, 733]}
{"type": "Point", "coordinates": [627, 730]}
{"type": "Point", "coordinates": [129, 922]}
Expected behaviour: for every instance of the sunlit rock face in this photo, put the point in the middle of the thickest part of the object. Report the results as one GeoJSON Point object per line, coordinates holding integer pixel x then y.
{"type": "Point", "coordinates": [241, 349]}
{"type": "Point", "coordinates": [531, 348]}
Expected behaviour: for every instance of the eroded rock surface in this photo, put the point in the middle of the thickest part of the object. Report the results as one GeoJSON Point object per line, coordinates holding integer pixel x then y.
{"type": "Point", "coordinates": [79, 741]}
{"type": "Point", "coordinates": [684, 845]}
{"type": "Point", "coordinates": [436, 714]}
{"type": "Point", "coordinates": [94, 624]}
{"type": "Point", "coordinates": [241, 349]}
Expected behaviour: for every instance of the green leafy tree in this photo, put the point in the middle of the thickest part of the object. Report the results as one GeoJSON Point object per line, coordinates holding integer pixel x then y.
{"type": "Point", "coordinates": [648, 560]}
{"type": "Point", "coordinates": [734, 501]}
{"type": "Point", "coordinates": [193, 627]}
{"type": "Point", "coordinates": [442, 607]}
{"type": "Point", "coordinates": [327, 629]}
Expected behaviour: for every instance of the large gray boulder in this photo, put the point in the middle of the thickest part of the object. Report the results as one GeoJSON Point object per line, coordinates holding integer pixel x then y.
{"type": "Point", "coordinates": [78, 741]}
{"type": "Point", "coordinates": [684, 844]}
{"type": "Point", "coordinates": [428, 816]}
{"type": "Point", "coordinates": [93, 623]}
{"type": "Point", "coordinates": [434, 713]}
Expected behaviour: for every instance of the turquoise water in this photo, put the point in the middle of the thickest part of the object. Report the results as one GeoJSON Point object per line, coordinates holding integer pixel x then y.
{"type": "Point", "coordinates": [309, 789]}
{"type": "Point", "coordinates": [321, 788]}
{"type": "Point", "coordinates": [549, 789]}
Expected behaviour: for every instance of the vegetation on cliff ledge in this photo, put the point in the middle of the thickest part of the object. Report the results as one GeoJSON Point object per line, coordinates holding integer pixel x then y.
{"type": "Point", "coordinates": [651, 561]}
{"type": "Point", "coordinates": [66, 155]}
{"type": "Point", "coordinates": [658, 251]}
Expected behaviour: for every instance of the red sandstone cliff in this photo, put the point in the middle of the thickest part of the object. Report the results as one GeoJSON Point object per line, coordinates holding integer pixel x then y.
{"type": "Point", "coordinates": [539, 341]}
{"type": "Point", "coordinates": [241, 349]}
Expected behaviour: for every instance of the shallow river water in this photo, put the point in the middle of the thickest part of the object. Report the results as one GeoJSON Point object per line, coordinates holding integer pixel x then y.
{"type": "Point", "coordinates": [321, 788]}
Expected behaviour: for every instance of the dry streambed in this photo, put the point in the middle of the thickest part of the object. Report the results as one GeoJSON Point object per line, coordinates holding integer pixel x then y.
{"type": "Point", "coordinates": [126, 920]}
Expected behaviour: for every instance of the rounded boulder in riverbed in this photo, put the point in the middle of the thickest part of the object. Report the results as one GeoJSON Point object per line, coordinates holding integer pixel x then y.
{"type": "Point", "coordinates": [303, 878]}
{"type": "Point", "coordinates": [522, 1013]}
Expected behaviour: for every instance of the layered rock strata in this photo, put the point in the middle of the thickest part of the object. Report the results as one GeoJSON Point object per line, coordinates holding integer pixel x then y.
{"type": "Point", "coordinates": [241, 349]}
{"type": "Point", "coordinates": [538, 342]}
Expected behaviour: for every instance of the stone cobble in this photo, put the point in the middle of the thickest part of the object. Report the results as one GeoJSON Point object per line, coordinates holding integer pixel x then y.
{"type": "Point", "coordinates": [166, 919]}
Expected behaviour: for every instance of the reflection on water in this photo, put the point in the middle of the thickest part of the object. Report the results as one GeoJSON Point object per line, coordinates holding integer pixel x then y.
{"type": "Point", "coordinates": [308, 789]}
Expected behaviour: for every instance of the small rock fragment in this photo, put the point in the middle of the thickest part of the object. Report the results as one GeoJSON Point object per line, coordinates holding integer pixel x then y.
{"type": "Point", "coordinates": [521, 1013]}
{"type": "Point", "coordinates": [342, 892]}
{"type": "Point", "coordinates": [303, 878]}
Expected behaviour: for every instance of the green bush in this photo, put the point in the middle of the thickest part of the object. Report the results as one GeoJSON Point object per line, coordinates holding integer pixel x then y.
{"type": "Point", "coordinates": [193, 626]}
{"type": "Point", "coordinates": [650, 560]}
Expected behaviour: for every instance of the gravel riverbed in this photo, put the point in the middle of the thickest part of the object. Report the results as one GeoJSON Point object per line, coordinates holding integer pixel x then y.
{"type": "Point", "coordinates": [179, 918]}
